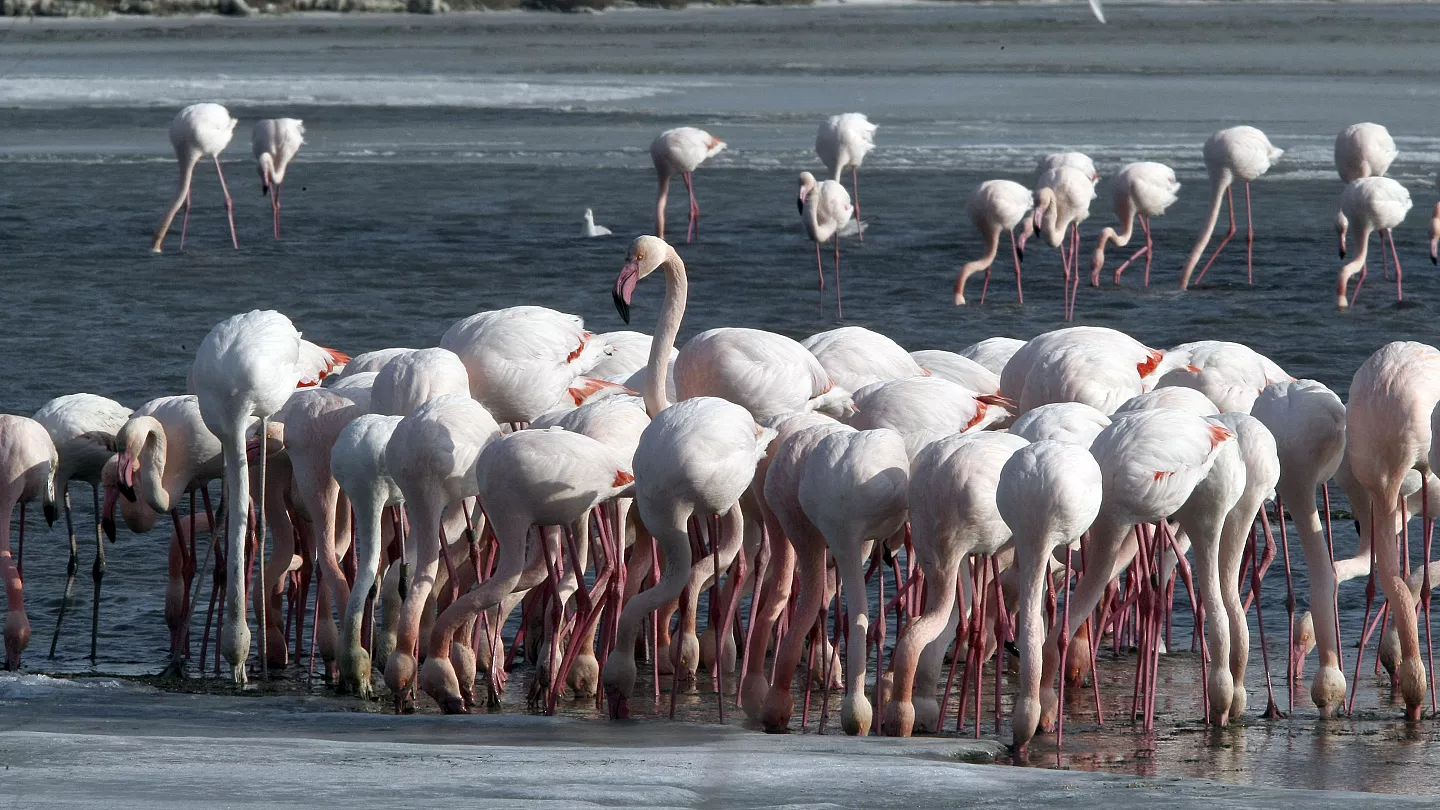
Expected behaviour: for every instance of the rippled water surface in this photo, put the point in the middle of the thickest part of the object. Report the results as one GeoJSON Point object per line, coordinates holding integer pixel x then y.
{"type": "Point", "coordinates": [449, 160]}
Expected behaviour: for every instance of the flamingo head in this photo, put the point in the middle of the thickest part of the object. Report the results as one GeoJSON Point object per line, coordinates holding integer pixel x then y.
{"type": "Point", "coordinates": [807, 185]}
{"type": "Point", "coordinates": [1302, 641]}
{"type": "Point", "coordinates": [1342, 225]}
{"type": "Point", "coordinates": [266, 167]}
{"type": "Point", "coordinates": [646, 254]}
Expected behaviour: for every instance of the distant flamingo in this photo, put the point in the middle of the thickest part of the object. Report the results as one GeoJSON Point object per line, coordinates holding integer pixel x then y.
{"type": "Point", "coordinates": [825, 210]}
{"type": "Point", "coordinates": [1364, 150]}
{"type": "Point", "coordinates": [1238, 153]}
{"type": "Point", "coordinates": [842, 142]}
{"type": "Point", "coordinates": [997, 206]}
{"type": "Point", "coordinates": [1062, 202]}
{"type": "Point", "coordinates": [246, 367]}
{"type": "Point", "coordinates": [1141, 190]}
{"type": "Point", "coordinates": [28, 461]}
{"type": "Point", "coordinates": [275, 142]}
{"type": "Point", "coordinates": [681, 151]}
{"type": "Point", "coordinates": [83, 428]}
{"type": "Point", "coordinates": [1048, 494]}
{"type": "Point", "coordinates": [1375, 204]}
{"type": "Point", "coordinates": [198, 131]}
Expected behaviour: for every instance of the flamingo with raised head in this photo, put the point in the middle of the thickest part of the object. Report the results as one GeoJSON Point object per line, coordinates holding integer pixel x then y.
{"type": "Point", "coordinates": [681, 151]}
{"type": "Point", "coordinates": [275, 142]}
{"type": "Point", "coordinates": [825, 210]}
{"type": "Point", "coordinates": [1140, 190]}
{"type": "Point", "coordinates": [1238, 153]}
{"type": "Point", "coordinates": [1374, 204]}
{"type": "Point", "coordinates": [842, 142]}
{"type": "Point", "coordinates": [996, 207]}
{"type": "Point", "coordinates": [198, 131]}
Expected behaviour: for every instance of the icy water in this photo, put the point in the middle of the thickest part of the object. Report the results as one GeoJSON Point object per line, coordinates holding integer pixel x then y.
{"type": "Point", "coordinates": [449, 160]}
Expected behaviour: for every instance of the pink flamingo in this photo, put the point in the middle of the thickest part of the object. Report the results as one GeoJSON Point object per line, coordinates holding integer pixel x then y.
{"type": "Point", "coordinates": [958, 369]}
{"type": "Point", "coordinates": [854, 357]}
{"type": "Point", "coordinates": [842, 142]}
{"type": "Point", "coordinates": [1376, 204]}
{"type": "Point", "coordinates": [1142, 190]}
{"type": "Point", "coordinates": [1238, 153]}
{"type": "Point", "coordinates": [681, 151]}
{"type": "Point", "coordinates": [1062, 202]}
{"type": "Point", "coordinates": [992, 353]}
{"type": "Point", "coordinates": [1231, 375]}
{"type": "Point", "coordinates": [28, 461]}
{"type": "Point", "coordinates": [1048, 494]}
{"type": "Point", "coordinates": [198, 131]}
{"type": "Point", "coordinates": [1364, 150]}
{"type": "Point", "coordinates": [996, 207]}
{"type": "Point", "coordinates": [275, 141]}
{"type": "Point", "coordinates": [825, 210]}
{"type": "Point", "coordinates": [923, 409]}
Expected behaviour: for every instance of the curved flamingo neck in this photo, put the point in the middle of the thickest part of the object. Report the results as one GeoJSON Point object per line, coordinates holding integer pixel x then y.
{"type": "Point", "coordinates": [677, 287]}
{"type": "Point", "coordinates": [153, 453]}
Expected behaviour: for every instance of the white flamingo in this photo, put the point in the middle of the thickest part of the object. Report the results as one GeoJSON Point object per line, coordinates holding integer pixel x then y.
{"type": "Point", "coordinates": [198, 131]}
{"type": "Point", "coordinates": [842, 142]}
{"type": "Point", "coordinates": [825, 210]}
{"type": "Point", "coordinates": [275, 141]}
{"type": "Point", "coordinates": [1374, 204]}
{"type": "Point", "coordinates": [1142, 190]}
{"type": "Point", "coordinates": [681, 151]}
{"type": "Point", "coordinates": [996, 207]}
{"type": "Point", "coordinates": [1238, 153]}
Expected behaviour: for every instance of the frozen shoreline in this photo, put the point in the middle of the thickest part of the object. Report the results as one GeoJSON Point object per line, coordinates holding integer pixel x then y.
{"type": "Point", "coordinates": [100, 742]}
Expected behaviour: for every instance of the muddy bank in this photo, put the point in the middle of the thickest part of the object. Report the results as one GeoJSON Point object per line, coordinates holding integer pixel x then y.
{"type": "Point", "coordinates": [102, 8]}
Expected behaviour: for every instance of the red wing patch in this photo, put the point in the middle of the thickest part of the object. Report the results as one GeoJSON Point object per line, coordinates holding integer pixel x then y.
{"type": "Point", "coordinates": [584, 338]}
{"type": "Point", "coordinates": [980, 408]}
{"type": "Point", "coordinates": [587, 387]}
{"type": "Point", "coordinates": [1219, 434]}
{"type": "Point", "coordinates": [622, 479]}
{"type": "Point", "coordinates": [1159, 474]}
{"type": "Point", "coordinates": [1149, 364]}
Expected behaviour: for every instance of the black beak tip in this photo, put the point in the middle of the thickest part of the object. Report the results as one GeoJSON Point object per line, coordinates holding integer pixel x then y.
{"type": "Point", "coordinates": [127, 491]}
{"type": "Point", "coordinates": [800, 206]}
{"type": "Point", "coordinates": [1020, 253]}
{"type": "Point", "coordinates": [621, 307]}
{"type": "Point", "coordinates": [51, 514]}
{"type": "Point", "coordinates": [1434, 260]}
{"type": "Point", "coordinates": [107, 525]}
{"type": "Point", "coordinates": [1342, 253]}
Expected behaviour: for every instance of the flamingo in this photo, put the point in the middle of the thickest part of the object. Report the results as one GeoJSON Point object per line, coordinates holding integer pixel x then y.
{"type": "Point", "coordinates": [1375, 204]}
{"type": "Point", "coordinates": [1141, 190]}
{"type": "Point", "coordinates": [855, 357]}
{"type": "Point", "coordinates": [1435, 231]}
{"type": "Point", "coordinates": [1132, 366]}
{"type": "Point", "coordinates": [842, 142]}
{"type": "Point", "coordinates": [275, 141]}
{"type": "Point", "coordinates": [1179, 399]}
{"type": "Point", "coordinates": [410, 380]}
{"type": "Point", "coordinates": [624, 354]}
{"type": "Point", "coordinates": [28, 461]}
{"type": "Point", "coordinates": [1238, 153]}
{"type": "Point", "coordinates": [997, 206]}
{"type": "Point", "coordinates": [681, 151]}
{"type": "Point", "coordinates": [992, 353]}
{"type": "Point", "coordinates": [1387, 433]}
{"type": "Point", "coordinates": [366, 363]}
{"type": "Point", "coordinates": [522, 360]}
{"type": "Point", "coordinates": [958, 369]}
{"type": "Point", "coordinates": [198, 131]}
{"type": "Point", "coordinates": [825, 211]}
{"type": "Point", "coordinates": [357, 460]}
{"type": "Point", "coordinates": [432, 456]}
{"type": "Point", "coordinates": [1070, 422]}
{"type": "Point", "coordinates": [1075, 160]}
{"type": "Point", "coordinates": [1231, 375]}
{"type": "Point", "coordinates": [923, 409]}
{"type": "Point", "coordinates": [82, 428]}
{"type": "Point", "coordinates": [695, 458]}
{"type": "Point", "coordinates": [246, 368]}
{"type": "Point", "coordinates": [590, 229]}
{"type": "Point", "coordinates": [1307, 421]}
{"type": "Point", "coordinates": [1048, 494]}
{"type": "Point", "coordinates": [1062, 202]}
{"type": "Point", "coordinates": [952, 496]}
{"type": "Point", "coordinates": [528, 478]}
{"type": "Point", "coordinates": [1363, 150]}
{"type": "Point", "coordinates": [853, 490]}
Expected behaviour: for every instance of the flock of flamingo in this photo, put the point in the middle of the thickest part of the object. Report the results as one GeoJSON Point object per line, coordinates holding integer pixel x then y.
{"type": "Point", "coordinates": [1032, 499]}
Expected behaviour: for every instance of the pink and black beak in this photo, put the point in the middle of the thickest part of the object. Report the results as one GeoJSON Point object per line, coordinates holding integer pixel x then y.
{"type": "Point", "coordinates": [107, 514]}
{"type": "Point", "coordinates": [800, 204]}
{"type": "Point", "coordinates": [125, 482]}
{"type": "Point", "coordinates": [625, 288]}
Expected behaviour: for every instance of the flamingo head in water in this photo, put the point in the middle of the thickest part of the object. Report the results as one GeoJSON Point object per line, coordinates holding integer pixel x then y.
{"type": "Point", "coordinates": [807, 185]}
{"type": "Point", "coordinates": [646, 254]}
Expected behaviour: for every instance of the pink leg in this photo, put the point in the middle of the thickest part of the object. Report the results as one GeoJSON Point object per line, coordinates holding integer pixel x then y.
{"type": "Point", "coordinates": [275, 206]}
{"type": "Point", "coordinates": [1249, 240]}
{"type": "Point", "coordinates": [1399, 275]}
{"type": "Point", "coordinates": [1230, 234]}
{"type": "Point", "coordinates": [1384, 259]}
{"type": "Point", "coordinates": [986, 287]}
{"type": "Point", "coordinates": [1074, 266]}
{"type": "Point", "coordinates": [1364, 268]}
{"type": "Point", "coordinates": [693, 232]}
{"type": "Point", "coordinates": [855, 183]}
{"type": "Point", "coordinates": [185, 221]}
{"type": "Point", "coordinates": [1065, 284]}
{"type": "Point", "coordinates": [1015, 252]}
{"type": "Point", "coordinates": [1149, 247]}
{"type": "Point", "coordinates": [820, 272]}
{"type": "Point", "coordinates": [1064, 644]}
{"type": "Point", "coordinates": [229, 205]}
{"type": "Point", "coordinates": [839, 306]}
{"type": "Point", "coordinates": [1144, 251]}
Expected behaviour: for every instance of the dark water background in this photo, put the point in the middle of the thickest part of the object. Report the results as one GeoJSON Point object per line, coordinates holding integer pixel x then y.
{"type": "Point", "coordinates": [449, 161]}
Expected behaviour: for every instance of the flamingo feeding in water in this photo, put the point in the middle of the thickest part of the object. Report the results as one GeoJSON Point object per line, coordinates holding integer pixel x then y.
{"type": "Point", "coordinates": [27, 467]}
{"type": "Point", "coordinates": [825, 210]}
{"type": "Point", "coordinates": [1238, 153]}
{"type": "Point", "coordinates": [681, 151]}
{"type": "Point", "coordinates": [275, 141]}
{"type": "Point", "coordinates": [1364, 150]}
{"type": "Point", "coordinates": [842, 142]}
{"type": "Point", "coordinates": [1140, 190]}
{"type": "Point", "coordinates": [1062, 202]}
{"type": "Point", "coordinates": [198, 131]}
{"type": "Point", "coordinates": [1374, 204]}
{"type": "Point", "coordinates": [997, 206]}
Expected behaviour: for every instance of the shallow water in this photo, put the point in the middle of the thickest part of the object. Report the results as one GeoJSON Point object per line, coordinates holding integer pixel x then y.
{"type": "Point", "coordinates": [449, 160]}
